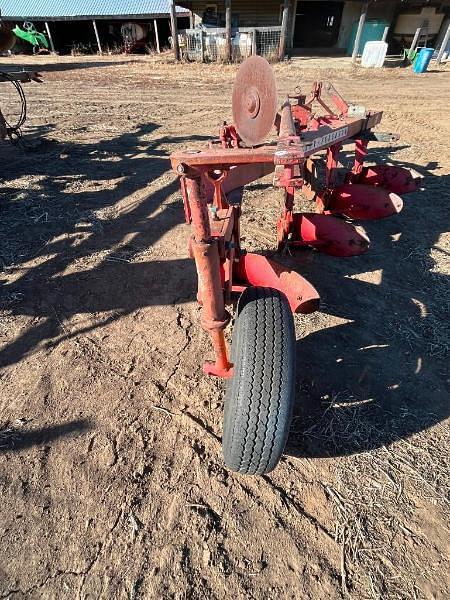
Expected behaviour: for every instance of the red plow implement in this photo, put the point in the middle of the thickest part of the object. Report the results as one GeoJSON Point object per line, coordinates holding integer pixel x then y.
{"type": "Point", "coordinates": [261, 365]}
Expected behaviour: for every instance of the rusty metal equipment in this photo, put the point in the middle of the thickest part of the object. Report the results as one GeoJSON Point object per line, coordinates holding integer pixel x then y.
{"type": "Point", "coordinates": [304, 159]}
{"type": "Point", "coordinates": [16, 78]}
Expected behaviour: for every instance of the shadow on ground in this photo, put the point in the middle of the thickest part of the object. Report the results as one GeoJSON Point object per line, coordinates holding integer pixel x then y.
{"type": "Point", "coordinates": [377, 377]}
{"type": "Point", "coordinates": [66, 213]}
{"type": "Point", "coordinates": [61, 66]}
{"type": "Point", "coordinates": [16, 438]}
{"type": "Point", "coordinates": [382, 374]}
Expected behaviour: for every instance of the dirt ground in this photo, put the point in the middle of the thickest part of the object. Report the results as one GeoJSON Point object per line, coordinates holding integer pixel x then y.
{"type": "Point", "coordinates": [111, 475]}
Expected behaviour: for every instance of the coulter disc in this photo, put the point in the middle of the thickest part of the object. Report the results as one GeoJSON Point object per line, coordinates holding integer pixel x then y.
{"type": "Point", "coordinates": [254, 100]}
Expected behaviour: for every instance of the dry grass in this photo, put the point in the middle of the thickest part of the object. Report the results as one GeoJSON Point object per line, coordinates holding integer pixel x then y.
{"type": "Point", "coordinates": [374, 494]}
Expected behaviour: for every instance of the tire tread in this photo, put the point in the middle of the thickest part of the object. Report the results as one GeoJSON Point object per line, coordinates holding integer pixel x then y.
{"type": "Point", "coordinates": [259, 398]}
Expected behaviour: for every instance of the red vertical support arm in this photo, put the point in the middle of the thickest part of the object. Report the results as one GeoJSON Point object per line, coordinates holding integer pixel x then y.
{"type": "Point", "coordinates": [360, 155]}
{"type": "Point", "coordinates": [332, 163]}
{"type": "Point", "coordinates": [287, 131]}
{"type": "Point", "coordinates": [206, 254]}
{"type": "Point", "coordinates": [322, 198]}
{"type": "Point", "coordinates": [285, 221]}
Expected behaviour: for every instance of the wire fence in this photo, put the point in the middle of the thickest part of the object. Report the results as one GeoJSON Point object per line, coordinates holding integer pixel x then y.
{"type": "Point", "coordinates": [268, 42]}
{"type": "Point", "coordinates": [209, 45]}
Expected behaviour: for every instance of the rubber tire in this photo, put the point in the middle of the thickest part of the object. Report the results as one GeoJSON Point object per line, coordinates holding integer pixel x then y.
{"type": "Point", "coordinates": [260, 396]}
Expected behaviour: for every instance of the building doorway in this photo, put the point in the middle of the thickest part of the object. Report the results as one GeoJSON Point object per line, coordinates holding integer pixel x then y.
{"type": "Point", "coordinates": [317, 24]}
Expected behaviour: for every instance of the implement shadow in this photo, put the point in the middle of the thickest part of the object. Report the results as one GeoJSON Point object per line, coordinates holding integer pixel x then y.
{"type": "Point", "coordinates": [84, 208]}
{"type": "Point", "coordinates": [61, 66]}
{"type": "Point", "coordinates": [14, 439]}
{"type": "Point", "coordinates": [381, 375]}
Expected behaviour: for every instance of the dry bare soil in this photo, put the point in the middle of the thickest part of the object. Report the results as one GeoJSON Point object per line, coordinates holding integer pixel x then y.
{"type": "Point", "coordinates": [111, 476]}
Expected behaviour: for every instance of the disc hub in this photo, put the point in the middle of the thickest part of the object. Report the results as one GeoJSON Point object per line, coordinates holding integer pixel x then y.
{"type": "Point", "coordinates": [253, 102]}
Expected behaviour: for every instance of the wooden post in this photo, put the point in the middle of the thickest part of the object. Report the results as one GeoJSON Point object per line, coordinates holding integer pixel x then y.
{"type": "Point", "coordinates": [49, 37]}
{"type": "Point", "coordinates": [228, 53]}
{"type": "Point", "coordinates": [284, 30]}
{"type": "Point", "coordinates": [362, 20]}
{"type": "Point", "coordinates": [202, 44]}
{"type": "Point", "coordinates": [174, 30]}
{"type": "Point", "coordinates": [254, 46]}
{"type": "Point", "coordinates": [97, 37]}
{"type": "Point", "coordinates": [155, 25]}
{"type": "Point", "coordinates": [385, 34]}
{"type": "Point", "coordinates": [443, 45]}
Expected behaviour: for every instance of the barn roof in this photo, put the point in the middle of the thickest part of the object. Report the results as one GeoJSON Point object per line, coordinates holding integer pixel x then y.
{"type": "Point", "coordinates": [59, 10]}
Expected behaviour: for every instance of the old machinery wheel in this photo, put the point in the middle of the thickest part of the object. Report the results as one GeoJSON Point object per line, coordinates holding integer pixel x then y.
{"type": "Point", "coordinates": [260, 396]}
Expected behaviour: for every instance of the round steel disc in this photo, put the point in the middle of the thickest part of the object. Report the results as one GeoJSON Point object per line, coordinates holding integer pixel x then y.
{"type": "Point", "coordinates": [254, 100]}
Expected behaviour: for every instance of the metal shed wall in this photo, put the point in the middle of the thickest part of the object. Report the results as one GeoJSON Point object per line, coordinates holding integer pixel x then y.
{"type": "Point", "coordinates": [60, 10]}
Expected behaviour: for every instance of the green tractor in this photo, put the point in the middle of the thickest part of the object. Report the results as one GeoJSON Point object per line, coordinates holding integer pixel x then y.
{"type": "Point", "coordinates": [32, 36]}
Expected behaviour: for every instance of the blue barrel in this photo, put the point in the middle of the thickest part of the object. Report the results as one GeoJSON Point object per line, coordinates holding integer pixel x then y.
{"type": "Point", "coordinates": [423, 60]}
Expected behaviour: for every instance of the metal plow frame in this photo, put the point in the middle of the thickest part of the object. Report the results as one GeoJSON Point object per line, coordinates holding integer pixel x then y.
{"type": "Point", "coordinates": [212, 182]}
